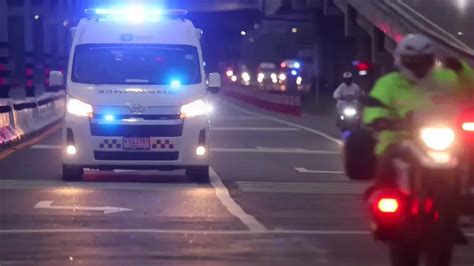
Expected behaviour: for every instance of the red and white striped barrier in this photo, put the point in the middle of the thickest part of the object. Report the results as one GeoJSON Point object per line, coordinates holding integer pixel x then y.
{"type": "Point", "coordinates": [274, 102]}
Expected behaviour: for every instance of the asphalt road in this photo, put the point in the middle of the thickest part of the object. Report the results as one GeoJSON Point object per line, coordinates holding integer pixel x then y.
{"type": "Point", "coordinates": [277, 197]}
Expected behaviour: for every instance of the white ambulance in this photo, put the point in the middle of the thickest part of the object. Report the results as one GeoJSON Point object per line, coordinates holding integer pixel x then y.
{"type": "Point", "coordinates": [136, 94]}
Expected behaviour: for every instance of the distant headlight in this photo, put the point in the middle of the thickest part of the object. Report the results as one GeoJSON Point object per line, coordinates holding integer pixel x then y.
{"type": "Point", "coordinates": [196, 108]}
{"type": "Point", "coordinates": [273, 76]}
{"type": "Point", "coordinates": [438, 138]}
{"type": "Point", "coordinates": [350, 111]}
{"type": "Point", "coordinates": [282, 77]}
{"type": "Point", "coordinates": [246, 76]}
{"type": "Point", "coordinates": [261, 76]}
{"type": "Point", "coordinates": [299, 80]}
{"type": "Point", "coordinates": [79, 108]}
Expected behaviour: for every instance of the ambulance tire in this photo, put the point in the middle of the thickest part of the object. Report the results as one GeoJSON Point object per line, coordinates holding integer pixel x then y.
{"type": "Point", "coordinates": [72, 173]}
{"type": "Point", "coordinates": [200, 174]}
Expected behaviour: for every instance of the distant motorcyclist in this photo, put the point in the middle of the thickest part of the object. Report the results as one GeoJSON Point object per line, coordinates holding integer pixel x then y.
{"type": "Point", "coordinates": [347, 90]}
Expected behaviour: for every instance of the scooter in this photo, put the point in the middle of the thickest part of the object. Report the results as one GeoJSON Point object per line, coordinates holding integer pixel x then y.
{"type": "Point", "coordinates": [349, 116]}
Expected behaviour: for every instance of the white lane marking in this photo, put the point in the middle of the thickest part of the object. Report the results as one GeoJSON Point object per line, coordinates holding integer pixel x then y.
{"type": "Point", "coordinates": [48, 205]}
{"type": "Point", "coordinates": [195, 232]}
{"type": "Point", "coordinates": [237, 118]}
{"type": "Point", "coordinates": [272, 150]}
{"type": "Point", "coordinates": [306, 171]}
{"type": "Point", "coordinates": [46, 147]}
{"type": "Point", "coordinates": [237, 150]}
{"type": "Point", "coordinates": [254, 129]}
{"type": "Point", "coordinates": [200, 232]}
{"type": "Point", "coordinates": [314, 131]}
{"type": "Point", "coordinates": [348, 188]}
{"type": "Point", "coordinates": [224, 196]}
{"type": "Point", "coordinates": [6, 184]}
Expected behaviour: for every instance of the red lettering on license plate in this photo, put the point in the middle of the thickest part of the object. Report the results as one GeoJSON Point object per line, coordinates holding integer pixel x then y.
{"type": "Point", "coordinates": [136, 143]}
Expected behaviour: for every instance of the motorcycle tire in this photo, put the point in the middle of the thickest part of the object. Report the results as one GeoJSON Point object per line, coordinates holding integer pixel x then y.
{"type": "Point", "coordinates": [404, 255]}
{"type": "Point", "coordinates": [439, 256]}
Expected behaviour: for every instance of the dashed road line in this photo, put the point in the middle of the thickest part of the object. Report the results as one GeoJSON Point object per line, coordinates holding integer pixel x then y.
{"type": "Point", "coordinates": [14, 184]}
{"type": "Point", "coordinates": [273, 150]}
{"type": "Point", "coordinates": [306, 171]}
{"type": "Point", "coordinates": [254, 129]}
{"type": "Point", "coordinates": [237, 118]}
{"type": "Point", "coordinates": [347, 188]}
{"type": "Point", "coordinates": [314, 131]}
{"type": "Point", "coordinates": [224, 196]}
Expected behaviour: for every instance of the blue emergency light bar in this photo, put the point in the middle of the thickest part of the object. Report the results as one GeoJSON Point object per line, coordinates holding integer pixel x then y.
{"type": "Point", "coordinates": [134, 14]}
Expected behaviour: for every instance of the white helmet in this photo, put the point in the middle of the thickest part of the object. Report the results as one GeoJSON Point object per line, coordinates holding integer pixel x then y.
{"type": "Point", "coordinates": [347, 75]}
{"type": "Point", "coordinates": [414, 57]}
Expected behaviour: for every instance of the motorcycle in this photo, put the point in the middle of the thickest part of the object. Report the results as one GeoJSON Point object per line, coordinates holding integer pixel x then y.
{"type": "Point", "coordinates": [417, 215]}
{"type": "Point", "coordinates": [349, 116]}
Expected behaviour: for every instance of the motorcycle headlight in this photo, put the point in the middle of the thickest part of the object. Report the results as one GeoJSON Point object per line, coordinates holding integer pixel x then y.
{"type": "Point", "coordinates": [196, 108]}
{"type": "Point", "coordinates": [350, 111]}
{"type": "Point", "coordinates": [79, 108]}
{"type": "Point", "coordinates": [438, 138]}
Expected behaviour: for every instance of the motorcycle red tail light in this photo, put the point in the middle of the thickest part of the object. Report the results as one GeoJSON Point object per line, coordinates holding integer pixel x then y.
{"type": "Point", "coordinates": [388, 205]}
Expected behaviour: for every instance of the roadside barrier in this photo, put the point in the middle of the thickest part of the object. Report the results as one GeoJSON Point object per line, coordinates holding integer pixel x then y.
{"type": "Point", "coordinates": [274, 102]}
{"type": "Point", "coordinates": [20, 119]}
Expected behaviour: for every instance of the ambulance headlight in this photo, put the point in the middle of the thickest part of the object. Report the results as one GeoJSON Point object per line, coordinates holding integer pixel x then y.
{"type": "Point", "coordinates": [438, 138]}
{"type": "Point", "coordinates": [196, 108]}
{"type": "Point", "coordinates": [79, 108]}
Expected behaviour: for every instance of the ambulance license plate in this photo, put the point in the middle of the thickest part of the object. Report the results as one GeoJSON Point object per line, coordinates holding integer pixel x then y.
{"type": "Point", "coordinates": [136, 144]}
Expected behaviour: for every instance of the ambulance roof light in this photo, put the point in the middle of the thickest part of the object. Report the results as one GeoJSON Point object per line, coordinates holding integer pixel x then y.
{"type": "Point", "coordinates": [134, 13]}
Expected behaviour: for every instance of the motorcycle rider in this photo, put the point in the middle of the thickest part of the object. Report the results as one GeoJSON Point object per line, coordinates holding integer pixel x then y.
{"type": "Point", "coordinates": [346, 89]}
{"type": "Point", "coordinates": [416, 85]}
{"type": "Point", "coordinates": [401, 92]}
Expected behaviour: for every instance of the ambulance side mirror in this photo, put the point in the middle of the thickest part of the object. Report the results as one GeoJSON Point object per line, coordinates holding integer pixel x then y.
{"type": "Point", "coordinates": [56, 79]}
{"type": "Point", "coordinates": [215, 82]}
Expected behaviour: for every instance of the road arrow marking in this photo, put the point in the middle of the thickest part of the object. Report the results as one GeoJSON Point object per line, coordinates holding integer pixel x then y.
{"type": "Point", "coordinates": [105, 209]}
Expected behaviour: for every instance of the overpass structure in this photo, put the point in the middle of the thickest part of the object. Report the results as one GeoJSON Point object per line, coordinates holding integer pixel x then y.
{"type": "Point", "coordinates": [448, 23]}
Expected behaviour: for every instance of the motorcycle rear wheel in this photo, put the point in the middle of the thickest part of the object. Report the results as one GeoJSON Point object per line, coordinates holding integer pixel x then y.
{"type": "Point", "coordinates": [404, 255]}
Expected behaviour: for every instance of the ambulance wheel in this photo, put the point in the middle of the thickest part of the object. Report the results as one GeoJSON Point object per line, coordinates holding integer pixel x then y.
{"type": "Point", "coordinates": [72, 173]}
{"type": "Point", "coordinates": [199, 174]}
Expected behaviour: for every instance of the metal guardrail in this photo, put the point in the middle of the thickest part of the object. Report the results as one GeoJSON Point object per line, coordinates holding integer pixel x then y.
{"type": "Point", "coordinates": [20, 119]}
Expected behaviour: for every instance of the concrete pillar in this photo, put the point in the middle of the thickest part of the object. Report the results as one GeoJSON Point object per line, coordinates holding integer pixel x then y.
{"type": "Point", "coordinates": [62, 15]}
{"type": "Point", "coordinates": [5, 65]}
{"type": "Point", "coordinates": [380, 57]}
{"type": "Point", "coordinates": [29, 80]}
{"type": "Point", "coordinates": [49, 15]}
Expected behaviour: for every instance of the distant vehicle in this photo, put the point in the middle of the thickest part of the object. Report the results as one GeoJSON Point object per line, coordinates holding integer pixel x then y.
{"type": "Point", "coordinates": [136, 95]}
{"type": "Point", "coordinates": [267, 77]}
{"type": "Point", "coordinates": [291, 75]}
{"type": "Point", "coordinates": [245, 77]}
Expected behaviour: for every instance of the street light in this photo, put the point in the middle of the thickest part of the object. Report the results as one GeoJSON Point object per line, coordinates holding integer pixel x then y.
{"type": "Point", "coordinates": [243, 33]}
{"type": "Point", "coordinates": [294, 30]}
